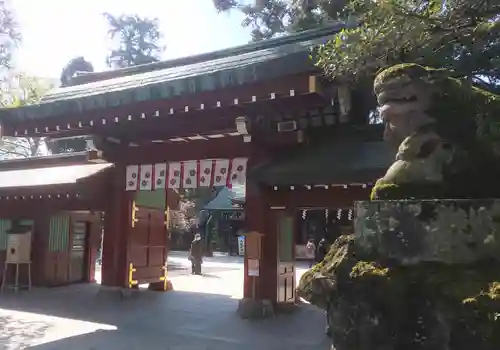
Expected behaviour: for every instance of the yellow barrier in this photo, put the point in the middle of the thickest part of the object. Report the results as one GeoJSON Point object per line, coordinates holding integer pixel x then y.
{"type": "Point", "coordinates": [166, 218]}
{"type": "Point", "coordinates": [131, 281]}
{"type": "Point", "coordinates": [134, 214]}
{"type": "Point", "coordinates": [164, 278]}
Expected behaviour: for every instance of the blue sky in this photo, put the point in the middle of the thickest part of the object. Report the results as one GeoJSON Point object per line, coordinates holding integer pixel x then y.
{"type": "Point", "coordinates": [55, 31]}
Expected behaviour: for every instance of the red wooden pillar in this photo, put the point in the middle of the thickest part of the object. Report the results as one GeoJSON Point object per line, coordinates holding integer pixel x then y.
{"type": "Point", "coordinates": [259, 218]}
{"type": "Point", "coordinates": [117, 220]}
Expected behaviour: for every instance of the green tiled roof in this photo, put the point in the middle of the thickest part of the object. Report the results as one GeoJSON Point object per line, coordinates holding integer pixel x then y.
{"type": "Point", "coordinates": [225, 198]}
{"type": "Point", "coordinates": [245, 64]}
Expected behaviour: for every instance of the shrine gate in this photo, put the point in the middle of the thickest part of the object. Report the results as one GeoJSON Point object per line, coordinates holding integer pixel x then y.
{"type": "Point", "coordinates": [258, 114]}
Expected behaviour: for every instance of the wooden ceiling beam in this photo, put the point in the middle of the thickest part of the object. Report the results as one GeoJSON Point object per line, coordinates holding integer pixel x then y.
{"type": "Point", "coordinates": [151, 153]}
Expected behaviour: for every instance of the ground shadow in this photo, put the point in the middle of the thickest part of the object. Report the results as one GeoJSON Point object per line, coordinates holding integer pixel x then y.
{"type": "Point", "coordinates": [175, 320]}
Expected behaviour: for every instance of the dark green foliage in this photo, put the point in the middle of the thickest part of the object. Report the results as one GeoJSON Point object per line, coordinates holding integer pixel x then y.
{"type": "Point", "coordinates": [269, 18]}
{"type": "Point", "coordinates": [461, 35]}
{"type": "Point", "coordinates": [135, 40]}
{"type": "Point", "coordinates": [76, 65]}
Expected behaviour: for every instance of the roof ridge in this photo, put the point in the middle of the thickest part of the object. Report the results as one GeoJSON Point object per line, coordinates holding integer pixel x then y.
{"type": "Point", "coordinates": [209, 56]}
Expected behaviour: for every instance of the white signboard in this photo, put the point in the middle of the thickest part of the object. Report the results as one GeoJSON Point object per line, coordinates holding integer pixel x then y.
{"type": "Point", "coordinates": [241, 245]}
{"type": "Point", "coordinates": [253, 267]}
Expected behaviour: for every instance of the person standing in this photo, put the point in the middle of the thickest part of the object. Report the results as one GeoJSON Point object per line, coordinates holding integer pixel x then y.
{"type": "Point", "coordinates": [196, 255]}
{"type": "Point", "coordinates": [311, 252]}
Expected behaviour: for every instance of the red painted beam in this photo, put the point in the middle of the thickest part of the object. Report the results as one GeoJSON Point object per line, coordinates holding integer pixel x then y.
{"type": "Point", "coordinates": [210, 122]}
{"type": "Point", "coordinates": [237, 99]}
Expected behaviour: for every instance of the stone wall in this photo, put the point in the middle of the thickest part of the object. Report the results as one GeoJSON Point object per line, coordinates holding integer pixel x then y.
{"type": "Point", "coordinates": [447, 231]}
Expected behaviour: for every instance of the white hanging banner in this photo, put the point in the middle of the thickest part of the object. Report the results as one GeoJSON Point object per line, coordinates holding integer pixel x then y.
{"type": "Point", "coordinates": [206, 172]}
{"type": "Point", "coordinates": [132, 178]}
{"type": "Point", "coordinates": [174, 175]}
{"type": "Point", "coordinates": [160, 175]}
{"type": "Point", "coordinates": [189, 174]}
{"type": "Point", "coordinates": [221, 171]}
{"type": "Point", "coordinates": [146, 177]}
{"type": "Point", "coordinates": [238, 171]}
{"type": "Point", "coordinates": [190, 179]}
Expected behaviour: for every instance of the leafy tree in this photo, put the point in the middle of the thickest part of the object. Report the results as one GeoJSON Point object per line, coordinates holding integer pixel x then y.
{"type": "Point", "coordinates": [136, 40]}
{"type": "Point", "coordinates": [191, 203]}
{"type": "Point", "coordinates": [269, 18]}
{"type": "Point", "coordinates": [71, 69]}
{"type": "Point", "coordinates": [10, 34]}
{"type": "Point", "coordinates": [21, 90]}
{"type": "Point", "coordinates": [75, 66]}
{"type": "Point", "coordinates": [460, 35]}
{"type": "Point", "coordinates": [184, 218]}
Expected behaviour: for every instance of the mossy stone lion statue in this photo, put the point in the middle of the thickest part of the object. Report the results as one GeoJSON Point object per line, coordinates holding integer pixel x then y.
{"type": "Point", "coordinates": [447, 138]}
{"type": "Point", "coordinates": [447, 133]}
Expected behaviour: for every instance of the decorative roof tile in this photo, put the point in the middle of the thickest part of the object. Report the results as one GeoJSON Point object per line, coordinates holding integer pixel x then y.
{"type": "Point", "coordinates": [163, 80]}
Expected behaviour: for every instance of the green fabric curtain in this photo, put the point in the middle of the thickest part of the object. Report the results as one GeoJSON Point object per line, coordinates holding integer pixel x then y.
{"type": "Point", "coordinates": [59, 233]}
{"type": "Point", "coordinates": [5, 225]}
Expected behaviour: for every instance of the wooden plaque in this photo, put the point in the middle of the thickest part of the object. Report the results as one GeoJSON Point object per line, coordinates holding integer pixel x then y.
{"type": "Point", "coordinates": [253, 245]}
{"type": "Point", "coordinates": [18, 248]}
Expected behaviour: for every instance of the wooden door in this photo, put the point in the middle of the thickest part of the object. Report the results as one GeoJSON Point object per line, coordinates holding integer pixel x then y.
{"type": "Point", "coordinates": [148, 246]}
{"type": "Point", "coordinates": [286, 258]}
{"type": "Point", "coordinates": [78, 252]}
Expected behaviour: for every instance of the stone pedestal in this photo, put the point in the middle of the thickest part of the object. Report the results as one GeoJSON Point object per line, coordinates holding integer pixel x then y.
{"type": "Point", "coordinates": [161, 286]}
{"type": "Point", "coordinates": [255, 309]}
{"type": "Point", "coordinates": [118, 292]}
{"type": "Point", "coordinates": [442, 231]}
{"type": "Point", "coordinates": [419, 275]}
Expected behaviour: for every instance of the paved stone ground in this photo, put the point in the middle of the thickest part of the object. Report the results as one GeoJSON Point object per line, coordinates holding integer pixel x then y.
{"type": "Point", "coordinates": [198, 315]}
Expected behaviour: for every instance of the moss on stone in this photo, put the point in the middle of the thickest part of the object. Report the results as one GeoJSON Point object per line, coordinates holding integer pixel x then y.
{"type": "Point", "coordinates": [466, 117]}
{"type": "Point", "coordinates": [456, 188]}
{"type": "Point", "coordinates": [365, 268]}
{"type": "Point", "coordinates": [377, 304]}
{"type": "Point", "coordinates": [407, 306]}
{"type": "Point", "coordinates": [411, 70]}
{"type": "Point", "coordinates": [463, 112]}
{"type": "Point", "coordinates": [337, 263]}
{"type": "Point", "coordinates": [467, 298]}
{"type": "Point", "coordinates": [383, 191]}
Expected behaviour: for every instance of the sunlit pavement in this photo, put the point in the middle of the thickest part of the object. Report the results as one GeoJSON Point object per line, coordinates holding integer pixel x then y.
{"type": "Point", "coordinates": [198, 315]}
{"type": "Point", "coordinates": [222, 275]}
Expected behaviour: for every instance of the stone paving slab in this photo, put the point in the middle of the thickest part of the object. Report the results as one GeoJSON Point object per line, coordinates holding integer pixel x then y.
{"type": "Point", "coordinates": [75, 318]}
